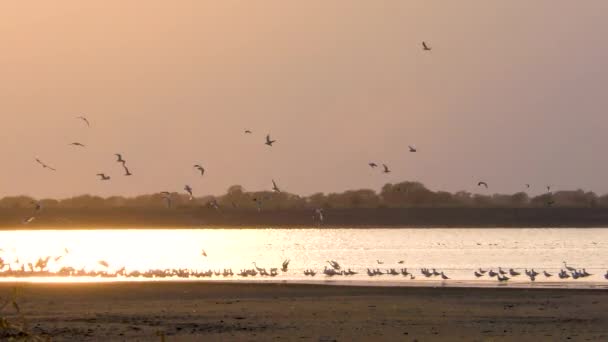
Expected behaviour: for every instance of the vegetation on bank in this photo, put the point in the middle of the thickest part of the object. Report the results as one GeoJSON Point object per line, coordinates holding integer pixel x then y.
{"type": "Point", "coordinates": [401, 195]}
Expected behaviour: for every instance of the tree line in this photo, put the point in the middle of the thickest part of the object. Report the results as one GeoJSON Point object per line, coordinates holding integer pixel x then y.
{"type": "Point", "coordinates": [406, 194]}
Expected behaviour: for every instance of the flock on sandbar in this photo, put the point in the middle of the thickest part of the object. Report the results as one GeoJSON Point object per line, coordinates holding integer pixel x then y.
{"type": "Point", "coordinates": [41, 269]}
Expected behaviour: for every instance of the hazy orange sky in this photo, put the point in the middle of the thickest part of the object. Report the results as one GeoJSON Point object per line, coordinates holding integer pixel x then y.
{"type": "Point", "coordinates": [513, 92]}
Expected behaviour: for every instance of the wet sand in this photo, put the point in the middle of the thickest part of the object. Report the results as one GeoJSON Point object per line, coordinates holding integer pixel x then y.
{"type": "Point", "coordinates": [227, 312]}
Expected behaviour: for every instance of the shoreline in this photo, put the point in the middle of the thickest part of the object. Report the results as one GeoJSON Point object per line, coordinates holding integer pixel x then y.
{"type": "Point", "coordinates": [214, 311]}
{"type": "Point", "coordinates": [122, 217]}
{"type": "Point", "coordinates": [458, 284]}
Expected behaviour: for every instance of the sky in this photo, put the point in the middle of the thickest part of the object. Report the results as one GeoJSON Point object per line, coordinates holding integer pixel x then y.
{"type": "Point", "coordinates": [513, 92]}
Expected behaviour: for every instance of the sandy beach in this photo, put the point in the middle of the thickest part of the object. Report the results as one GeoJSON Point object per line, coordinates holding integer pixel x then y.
{"type": "Point", "coordinates": [227, 312]}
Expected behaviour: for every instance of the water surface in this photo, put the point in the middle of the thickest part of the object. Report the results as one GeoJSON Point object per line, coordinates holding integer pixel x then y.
{"type": "Point", "coordinates": [457, 252]}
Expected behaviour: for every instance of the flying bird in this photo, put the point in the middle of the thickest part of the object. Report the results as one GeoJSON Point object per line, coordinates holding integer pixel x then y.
{"type": "Point", "coordinates": [527, 186]}
{"type": "Point", "coordinates": [44, 165]}
{"type": "Point", "coordinates": [119, 158]}
{"type": "Point", "coordinates": [483, 183]}
{"type": "Point", "coordinates": [275, 188]}
{"type": "Point", "coordinates": [77, 144]}
{"type": "Point", "coordinates": [248, 131]}
{"type": "Point", "coordinates": [104, 263]}
{"type": "Point", "coordinates": [372, 165]}
{"type": "Point", "coordinates": [268, 141]}
{"type": "Point", "coordinates": [127, 171]}
{"type": "Point", "coordinates": [412, 148]}
{"type": "Point", "coordinates": [189, 191]}
{"type": "Point", "coordinates": [386, 170]}
{"type": "Point", "coordinates": [85, 120]}
{"type": "Point", "coordinates": [548, 188]}
{"type": "Point", "coordinates": [103, 176]}
{"type": "Point", "coordinates": [203, 253]}
{"type": "Point", "coordinates": [425, 47]}
{"type": "Point", "coordinates": [200, 169]}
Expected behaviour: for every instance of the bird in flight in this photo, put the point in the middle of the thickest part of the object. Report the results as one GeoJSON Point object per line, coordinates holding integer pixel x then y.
{"type": "Point", "coordinates": [275, 188]}
{"type": "Point", "coordinates": [268, 141]}
{"type": "Point", "coordinates": [200, 169]}
{"type": "Point", "coordinates": [372, 165]}
{"type": "Point", "coordinates": [85, 120]}
{"type": "Point", "coordinates": [425, 47]}
{"type": "Point", "coordinates": [104, 263]}
{"type": "Point", "coordinates": [412, 148]}
{"type": "Point", "coordinates": [77, 144]}
{"type": "Point", "coordinates": [386, 169]}
{"type": "Point", "coordinates": [483, 183]}
{"type": "Point", "coordinates": [103, 176]}
{"type": "Point", "coordinates": [248, 131]}
{"type": "Point", "coordinates": [44, 165]}
{"type": "Point", "coordinates": [203, 253]}
{"type": "Point", "coordinates": [527, 186]}
{"type": "Point", "coordinates": [119, 158]}
{"type": "Point", "coordinates": [189, 191]}
{"type": "Point", "coordinates": [548, 188]}
{"type": "Point", "coordinates": [127, 171]}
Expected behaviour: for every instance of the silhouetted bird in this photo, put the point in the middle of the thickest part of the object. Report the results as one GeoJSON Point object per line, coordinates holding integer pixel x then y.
{"type": "Point", "coordinates": [85, 120]}
{"type": "Point", "coordinates": [103, 176]}
{"type": "Point", "coordinates": [527, 186]}
{"type": "Point", "coordinates": [28, 220]}
{"type": "Point", "coordinates": [275, 188]}
{"type": "Point", "coordinates": [200, 169]}
{"type": "Point", "coordinates": [127, 172]}
{"type": "Point", "coordinates": [412, 148]}
{"type": "Point", "coordinates": [203, 253]}
{"type": "Point", "coordinates": [386, 170]}
{"type": "Point", "coordinates": [77, 144]}
{"type": "Point", "coordinates": [483, 183]}
{"type": "Point", "coordinates": [425, 47]}
{"type": "Point", "coordinates": [188, 190]}
{"type": "Point", "coordinates": [372, 165]}
{"type": "Point", "coordinates": [119, 158]}
{"type": "Point", "coordinates": [247, 131]}
{"type": "Point", "coordinates": [268, 141]}
{"type": "Point", "coordinates": [104, 263]}
{"type": "Point", "coordinates": [44, 165]}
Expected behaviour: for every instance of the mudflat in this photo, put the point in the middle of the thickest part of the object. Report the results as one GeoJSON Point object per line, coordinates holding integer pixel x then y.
{"type": "Point", "coordinates": [195, 311]}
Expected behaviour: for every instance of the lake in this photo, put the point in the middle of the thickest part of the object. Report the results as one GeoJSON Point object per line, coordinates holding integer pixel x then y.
{"type": "Point", "coordinates": [456, 252]}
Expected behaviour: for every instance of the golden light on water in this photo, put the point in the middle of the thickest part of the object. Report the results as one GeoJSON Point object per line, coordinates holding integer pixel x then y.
{"type": "Point", "coordinates": [455, 251]}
